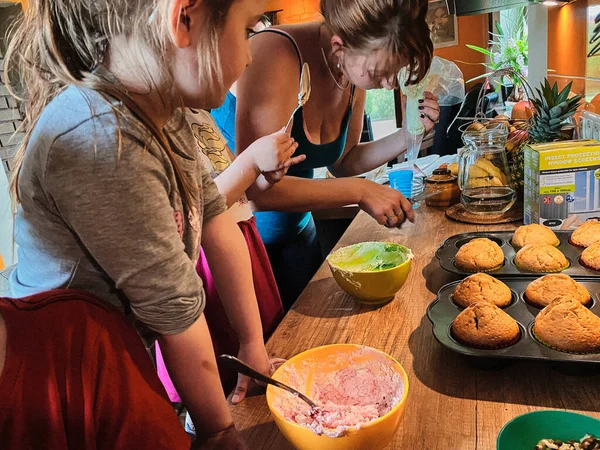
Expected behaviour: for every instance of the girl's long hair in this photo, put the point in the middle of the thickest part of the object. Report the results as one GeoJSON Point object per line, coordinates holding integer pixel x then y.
{"type": "Point", "coordinates": [59, 43]}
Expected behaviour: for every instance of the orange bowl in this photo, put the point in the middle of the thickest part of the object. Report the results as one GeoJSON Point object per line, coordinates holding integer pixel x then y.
{"type": "Point", "coordinates": [373, 435]}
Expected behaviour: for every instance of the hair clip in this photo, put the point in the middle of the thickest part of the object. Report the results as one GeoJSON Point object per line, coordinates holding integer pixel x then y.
{"type": "Point", "coordinates": [152, 17]}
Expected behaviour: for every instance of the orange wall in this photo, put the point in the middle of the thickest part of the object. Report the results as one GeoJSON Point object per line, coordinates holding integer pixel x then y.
{"type": "Point", "coordinates": [296, 11]}
{"type": "Point", "coordinates": [471, 30]}
{"type": "Point", "coordinates": [23, 2]}
{"type": "Point", "coordinates": [274, 5]}
{"type": "Point", "coordinates": [567, 33]}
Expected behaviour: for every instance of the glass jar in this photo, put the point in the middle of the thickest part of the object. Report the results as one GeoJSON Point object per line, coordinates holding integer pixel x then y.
{"type": "Point", "coordinates": [442, 180]}
{"type": "Point", "coordinates": [483, 173]}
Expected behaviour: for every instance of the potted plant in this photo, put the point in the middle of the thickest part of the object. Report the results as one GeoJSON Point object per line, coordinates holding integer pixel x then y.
{"type": "Point", "coordinates": [508, 48]}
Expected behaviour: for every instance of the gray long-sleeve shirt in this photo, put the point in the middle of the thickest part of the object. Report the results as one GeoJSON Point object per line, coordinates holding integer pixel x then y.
{"type": "Point", "coordinates": [112, 222]}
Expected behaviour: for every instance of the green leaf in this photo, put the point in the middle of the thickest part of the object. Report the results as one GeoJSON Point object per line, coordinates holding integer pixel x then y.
{"type": "Point", "coordinates": [575, 101]}
{"type": "Point", "coordinates": [499, 29]}
{"type": "Point", "coordinates": [485, 51]}
{"type": "Point", "coordinates": [562, 96]}
{"type": "Point", "coordinates": [555, 90]}
{"type": "Point", "coordinates": [485, 75]}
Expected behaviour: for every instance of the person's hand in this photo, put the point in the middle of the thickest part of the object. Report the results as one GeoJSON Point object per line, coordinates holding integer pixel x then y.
{"type": "Point", "coordinates": [430, 111]}
{"type": "Point", "coordinates": [255, 355]}
{"type": "Point", "coordinates": [275, 176]}
{"type": "Point", "coordinates": [228, 439]}
{"type": "Point", "coordinates": [386, 205]}
{"type": "Point", "coordinates": [274, 153]}
{"type": "Point", "coordinates": [276, 363]}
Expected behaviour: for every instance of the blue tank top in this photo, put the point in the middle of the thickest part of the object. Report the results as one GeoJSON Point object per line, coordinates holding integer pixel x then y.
{"type": "Point", "coordinates": [276, 226]}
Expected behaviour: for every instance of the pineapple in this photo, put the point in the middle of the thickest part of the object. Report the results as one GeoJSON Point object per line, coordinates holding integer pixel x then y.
{"type": "Point", "coordinates": [517, 171]}
{"type": "Point", "coordinates": [552, 109]}
{"type": "Point", "coordinates": [514, 147]}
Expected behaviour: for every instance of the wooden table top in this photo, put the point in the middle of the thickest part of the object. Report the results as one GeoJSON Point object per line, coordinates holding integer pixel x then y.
{"type": "Point", "coordinates": [451, 403]}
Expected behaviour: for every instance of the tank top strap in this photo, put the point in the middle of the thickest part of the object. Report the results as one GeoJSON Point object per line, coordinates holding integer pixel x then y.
{"type": "Point", "coordinates": [288, 37]}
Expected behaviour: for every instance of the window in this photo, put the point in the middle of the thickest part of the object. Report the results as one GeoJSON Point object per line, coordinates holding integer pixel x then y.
{"type": "Point", "coordinates": [381, 105]}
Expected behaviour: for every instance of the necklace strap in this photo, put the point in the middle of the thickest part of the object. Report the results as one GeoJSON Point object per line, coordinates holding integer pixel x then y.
{"type": "Point", "coordinates": [326, 61]}
{"type": "Point", "coordinates": [343, 88]}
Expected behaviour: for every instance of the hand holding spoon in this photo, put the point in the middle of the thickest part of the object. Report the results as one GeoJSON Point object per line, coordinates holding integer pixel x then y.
{"type": "Point", "coordinates": [233, 363]}
{"type": "Point", "coordinates": [303, 94]}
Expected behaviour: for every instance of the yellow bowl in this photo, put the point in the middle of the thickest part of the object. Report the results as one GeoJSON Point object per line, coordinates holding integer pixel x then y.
{"type": "Point", "coordinates": [370, 284]}
{"type": "Point", "coordinates": [374, 435]}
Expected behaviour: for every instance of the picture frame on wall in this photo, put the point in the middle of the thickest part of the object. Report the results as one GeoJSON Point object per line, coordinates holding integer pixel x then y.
{"type": "Point", "coordinates": [443, 26]}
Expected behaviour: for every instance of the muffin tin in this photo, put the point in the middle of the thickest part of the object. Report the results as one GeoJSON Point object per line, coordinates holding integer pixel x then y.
{"type": "Point", "coordinates": [443, 311]}
{"type": "Point", "coordinates": [447, 252]}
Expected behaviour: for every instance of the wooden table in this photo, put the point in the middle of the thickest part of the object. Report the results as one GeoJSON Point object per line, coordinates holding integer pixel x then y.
{"type": "Point", "coordinates": [451, 404]}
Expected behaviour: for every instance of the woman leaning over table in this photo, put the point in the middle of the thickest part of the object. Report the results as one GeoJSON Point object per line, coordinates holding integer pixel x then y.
{"type": "Point", "coordinates": [360, 45]}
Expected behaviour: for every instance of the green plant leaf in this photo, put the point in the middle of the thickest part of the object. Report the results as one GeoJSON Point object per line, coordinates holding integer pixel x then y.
{"type": "Point", "coordinates": [499, 29]}
{"type": "Point", "coordinates": [563, 95]}
{"type": "Point", "coordinates": [474, 63]}
{"type": "Point", "coordinates": [555, 90]}
{"type": "Point", "coordinates": [479, 49]}
{"type": "Point", "coordinates": [485, 75]}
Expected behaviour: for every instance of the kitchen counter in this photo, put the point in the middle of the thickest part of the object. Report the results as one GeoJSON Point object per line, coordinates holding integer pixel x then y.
{"type": "Point", "coordinates": [451, 403]}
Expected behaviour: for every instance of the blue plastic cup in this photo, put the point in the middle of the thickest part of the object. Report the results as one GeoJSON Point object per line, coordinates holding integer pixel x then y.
{"type": "Point", "coordinates": [402, 180]}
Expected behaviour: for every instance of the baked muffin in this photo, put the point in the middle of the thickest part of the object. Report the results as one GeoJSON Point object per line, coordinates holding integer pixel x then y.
{"type": "Point", "coordinates": [569, 326]}
{"type": "Point", "coordinates": [480, 287]}
{"type": "Point", "coordinates": [484, 325]}
{"type": "Point", "coordinates": [543, 291]}
{"type": "Point", "coordinates": [479, 255]}
{"type": "Point", "coordinates": [590, 257]}
{"type": "Point", "coordinates": [534, 234]}
{"type": "Point", "coordinates": [541, 258]}
{"type": "Point", "coordinates": [586, 234]}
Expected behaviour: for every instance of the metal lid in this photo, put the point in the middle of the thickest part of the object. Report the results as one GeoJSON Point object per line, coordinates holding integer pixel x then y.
{"type": "Point", "coordinates": [441, 176]}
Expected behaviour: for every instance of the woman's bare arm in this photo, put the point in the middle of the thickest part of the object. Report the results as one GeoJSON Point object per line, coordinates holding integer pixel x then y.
{"type": "Point", "coordinates": [363, 157]}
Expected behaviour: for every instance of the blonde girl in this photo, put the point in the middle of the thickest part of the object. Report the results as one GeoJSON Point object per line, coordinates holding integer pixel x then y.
{"type": "Point", "coordinates": [112, 197]}
{"type": "Point", "coordinates": [233, 177]}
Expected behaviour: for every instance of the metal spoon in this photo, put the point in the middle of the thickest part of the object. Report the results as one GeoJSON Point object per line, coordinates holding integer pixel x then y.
{"type": "Point", "coordinates": [423, 195]}
{"type": "Point", "coordinates": [233, 363]}
{"type": "Point", "coordinates": [304, 92]}
{"type": "Point", "coordinates": [419, 170]}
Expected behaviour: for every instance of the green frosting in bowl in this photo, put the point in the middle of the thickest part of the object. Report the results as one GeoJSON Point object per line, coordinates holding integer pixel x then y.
{"type": "Point", "coordinates": [370, 257]}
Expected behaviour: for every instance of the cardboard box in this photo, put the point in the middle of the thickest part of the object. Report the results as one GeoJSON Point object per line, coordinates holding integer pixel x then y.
{"type": "Point", "coordinates": [562, 183]}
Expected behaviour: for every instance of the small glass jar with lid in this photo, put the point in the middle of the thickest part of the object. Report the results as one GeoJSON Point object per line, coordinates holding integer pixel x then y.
{"type": "Point", "coordinates": [443, 181]}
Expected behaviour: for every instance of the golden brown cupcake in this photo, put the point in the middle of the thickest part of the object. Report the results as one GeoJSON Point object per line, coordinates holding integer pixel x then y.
{"type": "Point", "coordinates": [590, 257]}
{"type": "Point", "coordinates": [534, 234]}
{"type": "Point", "coordinates": [541, 258]}
{"type": "Point", "coordinates": [569, 326]}
{"type": "Point", "coordinates": [484, 325]}
{"type": "Point", "coordinates": [543, 291]}
{"type": "Point", "coordinates": [479, 255]}
{"type": "Point", "coordinates": [480, 287]}
{"type": "Point", "coordinates": [586, 234]}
